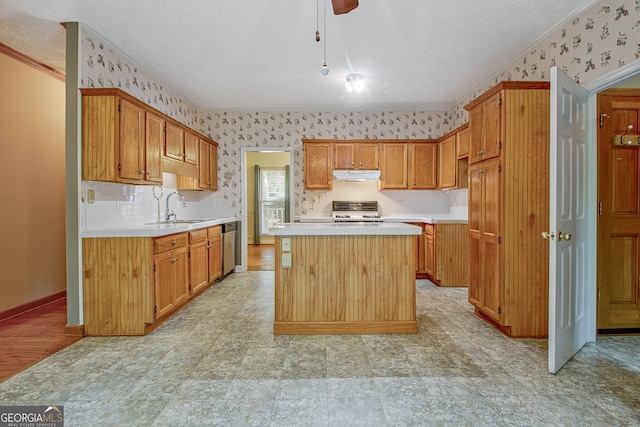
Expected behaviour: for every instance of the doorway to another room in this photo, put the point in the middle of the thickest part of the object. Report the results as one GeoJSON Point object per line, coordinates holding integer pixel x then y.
{"type": "Point", "coordinates": [268, 203]}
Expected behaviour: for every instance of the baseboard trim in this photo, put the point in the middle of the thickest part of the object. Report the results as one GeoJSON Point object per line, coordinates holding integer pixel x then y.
{"type": "Point", "coordinates": [31, 305]}
{"type": "Point", "coordinates": [74, 330]}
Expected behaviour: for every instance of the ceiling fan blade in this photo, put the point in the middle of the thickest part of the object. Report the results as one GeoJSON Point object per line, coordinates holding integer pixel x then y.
{"type": "Point", "coordinates": [343, 6]}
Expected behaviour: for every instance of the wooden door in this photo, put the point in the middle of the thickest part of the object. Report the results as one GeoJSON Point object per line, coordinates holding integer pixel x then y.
{"type": "Point", "coordinates": [393, 166]}
{"type": "Point", "coordinates": [174, 142]}
{"type": "Point", "coordinates": [163, 280]}
{"type": "Point", "coordinates": [132, 142]}
{"type": "Point", "coordinates": [447, 163]}
{"type": "Point", "coordinates": [344, 156]}
{"type": "Point", "coordinates": [191, 148]}
{"type": "Point", "coordinates": [476, 266]}
{"type": "Point", "coordinates": [491, 296]}
{"type": "Point", "coordinates": [618, 304]}
{"type": "Point", "coordinates": [154, 138]}
{"type": "Point", "coordinates": [181, 275]}
{"type": "Point", "coordinates": [569, 135]}
{"type": "Point", "coordinates": [198, 260]}
{"type": "Point", "coordinates": [485, 289]}
{"type": "Point", "coordinates": [422, 167]}
{"type": "Point", "coordinates": [429, 251]}
{"type": "Point", "coordinates": [367, 156]}
{"type": "Point", "coordinates": [463, 138]}
{"type": "Point", "coordinates": [203, 167]}
{"type": "Point", "coordinates": [492, 126]}
{"type": "Point", "coordinates": [214, 252]}
{"type": "Point", "coordinates": [317, 166]}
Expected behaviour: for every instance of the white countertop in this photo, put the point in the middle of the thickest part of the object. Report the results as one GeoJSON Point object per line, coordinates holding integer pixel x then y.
{"type": "Point", "coordinates": [398, 218]}
{"type": "Point", "coordinates": [346, 229]}
{"type": "Point", "coordinates": [153, 229]}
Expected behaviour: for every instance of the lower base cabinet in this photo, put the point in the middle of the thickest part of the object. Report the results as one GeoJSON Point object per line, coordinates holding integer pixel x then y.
{"type": "Point", "coordinates": [443, 254]}
{"type": "Point", "coordinates": [132, 284]}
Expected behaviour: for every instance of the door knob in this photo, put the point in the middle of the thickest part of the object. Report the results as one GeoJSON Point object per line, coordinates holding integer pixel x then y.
{"type": "Point", "coordinates": [548, 235]}
{"type": "Point", "coordinates": [565, 236]}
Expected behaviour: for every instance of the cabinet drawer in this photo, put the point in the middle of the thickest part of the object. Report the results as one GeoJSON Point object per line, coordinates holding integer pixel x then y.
{"type": "Point", "coordinates": [214, 232]}
{"type": "Point", "coordinates": [198, 236]}
{"type": "Point", "coordinates": [429, 229]}
{"type": "Point", "coordinates": [162, 244]}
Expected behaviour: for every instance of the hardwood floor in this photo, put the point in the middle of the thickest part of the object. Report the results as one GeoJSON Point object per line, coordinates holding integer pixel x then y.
{"type": "Point", "coordinates": [260, 258]}
{"type": "Point", "coordinates": [32, 336]}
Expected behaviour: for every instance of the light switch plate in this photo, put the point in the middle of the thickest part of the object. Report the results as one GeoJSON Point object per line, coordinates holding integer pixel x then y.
{"type": "Point", "coordinates": [286, 244]}
{"type": "Point", "coordinates": [286, 260]}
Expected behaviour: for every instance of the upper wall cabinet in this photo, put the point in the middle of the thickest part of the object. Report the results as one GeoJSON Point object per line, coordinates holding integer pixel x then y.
{"type": "Point", "coordinates": [394, 158]}
{"type": "Point", "coordinates": [125, 140]}
{"type": "Point", "coordinates": [115, 143]}
{"type": "Point", "coordinates": [354, 155]}
{"type": "Point", "coordinates": [453, 164]}
{"type": "Point", "coordinates": [317, 165]}
{"type": "Point", "coordinates": [422, 166]}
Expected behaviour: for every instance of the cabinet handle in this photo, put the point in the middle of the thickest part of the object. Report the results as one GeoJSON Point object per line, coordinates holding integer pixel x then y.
{"type": "Point", "coordinates": [142, 172]}
{"type": "Point", "coordinates": [174, 259]}
{"type": "Point", "coordinates": [480, 152]}
{"type": "Point", "coordinates": [360, 163]}
{"type": "Point", "coordinates": [480, 170]}
{"type": "Point", "coordinates": [173, 242]}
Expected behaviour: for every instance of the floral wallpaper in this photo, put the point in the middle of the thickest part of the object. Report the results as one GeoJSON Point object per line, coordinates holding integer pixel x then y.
{"type": "Point", "coordinates": [605, 37]}
{"type": "Point", "coordinates": [600, 40]}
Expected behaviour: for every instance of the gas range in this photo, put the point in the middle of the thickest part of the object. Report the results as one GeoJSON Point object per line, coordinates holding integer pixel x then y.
{"type": "Point", "coordinates": [346, 211]}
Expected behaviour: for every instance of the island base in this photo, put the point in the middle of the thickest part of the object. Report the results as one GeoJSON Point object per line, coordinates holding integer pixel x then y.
{"type": "Point", "coordinates": [338, 328]}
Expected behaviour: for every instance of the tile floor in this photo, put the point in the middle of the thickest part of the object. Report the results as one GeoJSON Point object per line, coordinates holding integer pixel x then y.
{"type": "Point", "coordinates": [218, 363]}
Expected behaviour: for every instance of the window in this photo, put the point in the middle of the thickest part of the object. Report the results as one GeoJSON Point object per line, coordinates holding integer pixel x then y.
{"type": "Point", "coordinates": [272, 198]}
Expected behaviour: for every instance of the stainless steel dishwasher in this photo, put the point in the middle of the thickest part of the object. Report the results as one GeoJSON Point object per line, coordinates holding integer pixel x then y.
{"type": "Point", "coordinates": [228, 247]}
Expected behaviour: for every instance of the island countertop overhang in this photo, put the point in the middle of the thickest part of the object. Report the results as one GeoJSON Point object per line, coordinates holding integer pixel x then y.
{"type": "Point", "coordinates": [346, 229]}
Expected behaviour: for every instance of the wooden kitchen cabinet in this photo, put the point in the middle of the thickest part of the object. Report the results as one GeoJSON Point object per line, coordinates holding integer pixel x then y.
{"type": "Point", "coordinates": [171, 273]}
{"type": "Point", "coordinates": [447, 163]}
{"type": "Point", "coordinates": [429, 252]}
{"type": "Point", "coordinates": [214, 252]}
{"type": "Point", "coordinates": [394, 158]}
{"type": "Point", "coordinates": [114, 139]}
{"type": "Point", "coordinates": [463, 141]}
{"type": "Point", "coordinates": [422, 166]}
{"type": "Point", "coordinates": [446, 254]}
{"type": "Point", "coordinates": [154, 136]}
{"type": "Point", "coordinates": [509, 207]}
{"type": "Point", "coordinates": [317, 165]}
{"type": "Point", "coordinates": [191, 145]}
{"type": "Point", "coordinates": [355, 155]}
{"type": "Point", "coordinates": [198, 261]}
{"type": "Point", "coordinates": [208, 167]}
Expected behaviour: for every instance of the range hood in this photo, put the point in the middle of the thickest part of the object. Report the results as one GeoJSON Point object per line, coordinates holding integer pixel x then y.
{"type": "Point", "coordinates": [356, 175]}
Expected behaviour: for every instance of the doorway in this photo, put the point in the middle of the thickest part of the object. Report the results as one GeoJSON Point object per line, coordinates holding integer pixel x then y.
{"type": "Point", "coordinates": [267, 200]}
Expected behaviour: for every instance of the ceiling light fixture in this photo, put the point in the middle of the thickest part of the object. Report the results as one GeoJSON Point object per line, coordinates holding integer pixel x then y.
{"type": "Point", "coordinates": [324, 70]}
{"type": "Point", "coordinates": [354, 82]}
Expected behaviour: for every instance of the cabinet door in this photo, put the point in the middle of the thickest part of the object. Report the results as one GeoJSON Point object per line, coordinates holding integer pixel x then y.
{"type": "Point", "coordinates": [198, 266]}
{"type": "Point", "coordinates": [181, 278]}
{"type": "Point", "coordinates": [367, 156]}
{"type": "Point", "coordinates": [154, 137]}
{"type": "Point", "coordinates": [492, 126]}
{"type": "Point", "coordinates": [132, 143]}
{"type": "Point", "coordinates": [174, 142]}
{"type": "Point", "coordinates": [213, 167]}
{"type": "Point", "coordinates": [393, 166]}
{"type": "Point", "coordinates": [463, 139]}
{"type": "Point", "coordinates": [447, 163]}
{"type": "Point", "coordinates": [163, 283]}
{"type": "Point", "coordinates": [317, 166]}
{"type": "Point", "coordinates": [203, 167]}
{"type": "Point", "coordinates": [191, 148]}
{"type": "Point", "coordinates": [344, 156]}
{"type": "Point", "coordinates": [429, 251]}
{"type": "Point", "coordinates": [485, 289]}
{"type": "Point", "coordinates": [215, 253]}
{"type": "Point", "coordinates": [422, 166]}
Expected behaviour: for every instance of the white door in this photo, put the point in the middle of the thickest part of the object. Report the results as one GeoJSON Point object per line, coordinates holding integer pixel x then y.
{"type": "Point", "coordinates": [567, 222]}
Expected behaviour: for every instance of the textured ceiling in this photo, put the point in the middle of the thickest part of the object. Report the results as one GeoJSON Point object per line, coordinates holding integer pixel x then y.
{"type": "Point", "coordinates": [262, 54]}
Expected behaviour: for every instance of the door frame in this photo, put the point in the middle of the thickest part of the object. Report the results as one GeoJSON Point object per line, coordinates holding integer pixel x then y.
{"type": "Point", "coordinates": [594, 87]}
{"type": "Point", "coordinates": [244, 232]}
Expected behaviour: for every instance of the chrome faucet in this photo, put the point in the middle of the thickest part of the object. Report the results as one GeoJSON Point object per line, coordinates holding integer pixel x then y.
{"type": "Point", "coordinates": [169, 214]}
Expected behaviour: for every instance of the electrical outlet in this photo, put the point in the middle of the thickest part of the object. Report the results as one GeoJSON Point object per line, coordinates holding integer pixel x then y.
{"type": "Point", "coordinates": [91, 196]}
{"type": "Point", "coordinates": [286, 260]}
{"type": "Point", "coordinates": [286, 244]}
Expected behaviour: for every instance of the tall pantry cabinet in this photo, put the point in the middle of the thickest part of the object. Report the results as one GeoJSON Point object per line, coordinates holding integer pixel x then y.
{"type": "Point", "coordinates": [509, 207]}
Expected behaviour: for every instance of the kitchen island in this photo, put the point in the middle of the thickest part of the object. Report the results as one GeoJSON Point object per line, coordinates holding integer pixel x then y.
{"type": "Point", "coordinates": [345, 278]}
